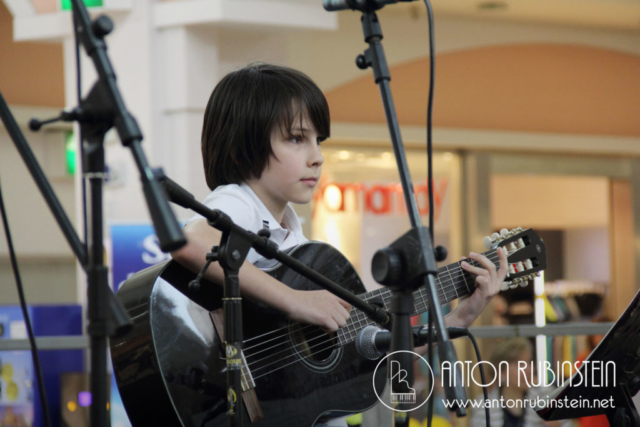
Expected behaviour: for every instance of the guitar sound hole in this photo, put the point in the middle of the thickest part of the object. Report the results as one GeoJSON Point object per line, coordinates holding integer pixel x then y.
{"type": "Point", "coordinates": [315, 348]}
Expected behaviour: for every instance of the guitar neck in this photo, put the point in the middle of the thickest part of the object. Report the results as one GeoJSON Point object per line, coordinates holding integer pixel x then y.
{"type": "Point", "coordinates": [452, 282]}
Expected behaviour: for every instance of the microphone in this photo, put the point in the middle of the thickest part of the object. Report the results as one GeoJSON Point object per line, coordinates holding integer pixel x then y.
{"type": "Point", "coordinates": [175, 193]}
{"type": "Point", "coordinates": [373, 342]}
{"type": "Point", "coordinates": [336, 5]}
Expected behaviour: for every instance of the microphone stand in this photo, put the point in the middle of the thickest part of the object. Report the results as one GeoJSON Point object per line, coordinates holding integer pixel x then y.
{"type": "Point", "coordinates": [399, 266]}
{"type": "Point", "coordinates": [102, 109]}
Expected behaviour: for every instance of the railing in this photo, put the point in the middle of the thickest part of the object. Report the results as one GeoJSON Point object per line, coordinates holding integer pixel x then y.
{"type": "Point", "coordinates": [578, 328]}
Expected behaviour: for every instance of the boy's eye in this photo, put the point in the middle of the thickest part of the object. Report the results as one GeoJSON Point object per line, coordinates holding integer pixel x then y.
{"type": "Point", "coordinates": [297, 139]}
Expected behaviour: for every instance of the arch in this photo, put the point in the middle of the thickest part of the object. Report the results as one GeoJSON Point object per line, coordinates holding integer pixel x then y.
{"type": "Point", "coordinates": [528, 88]}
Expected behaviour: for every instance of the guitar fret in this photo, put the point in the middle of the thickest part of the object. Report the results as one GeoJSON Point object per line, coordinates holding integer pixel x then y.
{"type": "Point", "coordinates": [452, 282]}
{"type": "Point", "coordinates": [464, 277]}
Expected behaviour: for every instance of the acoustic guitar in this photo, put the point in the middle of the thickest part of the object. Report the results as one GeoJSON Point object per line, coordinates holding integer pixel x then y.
{"type": "Point", "coordinates": [170, 368]}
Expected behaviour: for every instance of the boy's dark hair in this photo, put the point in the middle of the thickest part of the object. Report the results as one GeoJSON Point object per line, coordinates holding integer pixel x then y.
{"type": "Point", "coordinates": [245, 108]}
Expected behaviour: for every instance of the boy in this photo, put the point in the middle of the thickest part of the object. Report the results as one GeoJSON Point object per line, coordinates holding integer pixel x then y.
{"type": "Point", "coordinates": [261, 138]}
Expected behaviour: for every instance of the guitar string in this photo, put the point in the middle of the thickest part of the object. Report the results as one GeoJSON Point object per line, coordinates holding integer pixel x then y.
{"type": "Point", "coordinates": [385, 297]}
{"type": "Point", "coordinates": [312, 353]}
{"type": "Point", "coordinates": [253, 363]}
{"type": "Point", "coordinates": [490, 256]}
{"type": "Point", "coordinates": [360, 326]}
{"type": "Point", "coordinates": [357, 317]}
{"type": "Point", "coordinates": [305, 357]}
{"type": "Point", "coordinates": [446, 290]}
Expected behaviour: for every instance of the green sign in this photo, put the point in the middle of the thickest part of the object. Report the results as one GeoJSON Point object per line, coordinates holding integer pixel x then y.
{"type": "Point", "coordinates": [66, 4]}
{"type": "Point", "coordinates": [70, 153]}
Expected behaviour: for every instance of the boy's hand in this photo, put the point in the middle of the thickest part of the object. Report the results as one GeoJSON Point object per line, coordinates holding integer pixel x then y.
{"type": "Point", "coordinates": [320, 308]}
{"type": "Point", "coordinates": [488, 283]}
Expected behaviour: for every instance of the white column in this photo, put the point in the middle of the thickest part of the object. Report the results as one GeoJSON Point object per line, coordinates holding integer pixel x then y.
{"type": "Point", "coordinates": [191, 61]}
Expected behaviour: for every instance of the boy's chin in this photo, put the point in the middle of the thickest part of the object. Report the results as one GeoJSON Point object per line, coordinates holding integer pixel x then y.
{"type": "Point", "coordinates": [302, 199]}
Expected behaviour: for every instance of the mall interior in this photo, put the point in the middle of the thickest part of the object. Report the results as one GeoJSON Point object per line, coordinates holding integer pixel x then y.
{"type": "Point", "coordinates": [535, 126]}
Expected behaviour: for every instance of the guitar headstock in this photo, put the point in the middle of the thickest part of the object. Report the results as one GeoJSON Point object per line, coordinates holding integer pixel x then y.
{"type": "Point", "coordinates": [526, 254]}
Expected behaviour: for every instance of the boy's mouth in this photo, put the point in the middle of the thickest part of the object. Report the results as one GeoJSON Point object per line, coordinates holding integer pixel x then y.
{"type": "Point", "coordinates": [310, 181]}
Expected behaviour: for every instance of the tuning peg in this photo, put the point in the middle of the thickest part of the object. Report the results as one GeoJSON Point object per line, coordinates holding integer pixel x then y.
{"type": "Point", "coordinates": [505, 286]}
{"type": "Point", "coordinates": [495, 237]}
{"type": "Point", "coordinates": [504, 232]}
{"type": "Point", "coordinates": [528, 264]}
{"type": "Point", "coordinates": [488, 243]}
{"type": "Point", "coordinates": [511, 269]}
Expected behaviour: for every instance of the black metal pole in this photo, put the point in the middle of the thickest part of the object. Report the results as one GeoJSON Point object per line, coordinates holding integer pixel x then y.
{"type": "Point", "coordinates": [97, 283]}
{"type": "Point", "coordinates": [233, 249]}
{"type": "Point", "coordinates": [374, 57]}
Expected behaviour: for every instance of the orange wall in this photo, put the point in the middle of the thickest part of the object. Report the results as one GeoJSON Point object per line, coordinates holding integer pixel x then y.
{"type": "Point", "coordinates": [30, 73]}
{"type": "Point", "coordinates": [531, 88]}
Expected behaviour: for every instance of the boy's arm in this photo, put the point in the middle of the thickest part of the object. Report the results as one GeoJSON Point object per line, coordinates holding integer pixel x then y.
{"type": "Point", "coordinates": [317, 307]}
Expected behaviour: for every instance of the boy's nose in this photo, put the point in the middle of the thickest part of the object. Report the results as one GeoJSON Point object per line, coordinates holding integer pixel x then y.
{"type": "Point", "coordinates": [316, 158]}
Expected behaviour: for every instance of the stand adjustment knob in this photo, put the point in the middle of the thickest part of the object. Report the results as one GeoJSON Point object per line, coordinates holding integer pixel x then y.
{"type": "Point", "coordinates": [361, 62]}
{"type": "Point", "coordinates": [386, 266]}
{"type": "Point", "coordinates": [440, 253]}
{"type": "Point", "coordinates": [265, 232]}
{"type": "Point", "coordinates": [213, 255]}
{"type": "Point", "coordinates": [102, 26]}
{"type": "Point", "coordinates": [194, 286]}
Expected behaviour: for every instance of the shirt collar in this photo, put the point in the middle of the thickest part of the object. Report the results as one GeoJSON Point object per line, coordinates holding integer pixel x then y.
{"type": "Point", "coordinates": [290, 217]}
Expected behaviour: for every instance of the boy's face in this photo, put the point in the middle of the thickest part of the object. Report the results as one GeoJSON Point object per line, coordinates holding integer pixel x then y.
{"type": "Point", "coordinates": [294, 172]}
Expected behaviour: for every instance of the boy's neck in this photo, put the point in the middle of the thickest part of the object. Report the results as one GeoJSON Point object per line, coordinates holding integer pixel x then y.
{"type": "Point", "coordinates": [274, 207]}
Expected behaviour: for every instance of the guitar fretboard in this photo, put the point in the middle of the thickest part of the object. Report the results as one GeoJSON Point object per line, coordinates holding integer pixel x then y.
{"type": "Point", "coordinates": [452, 282]}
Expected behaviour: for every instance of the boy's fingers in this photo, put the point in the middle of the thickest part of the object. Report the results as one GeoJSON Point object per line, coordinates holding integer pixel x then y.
{"type": "Point", "coordinates": [486, 263]}
{"type": "Point", "coordinates": [345, 304]}
{"type": "Point", "coordinates": [472, 269]}
{"type": "Point", "coordinates": [504, 267]}
{"type": "Point", "coordinates": [343, 312]}
{"type": "Point", "coordinates": [339, 319]}
{"type": "Point", "coordinates": [331, 325]}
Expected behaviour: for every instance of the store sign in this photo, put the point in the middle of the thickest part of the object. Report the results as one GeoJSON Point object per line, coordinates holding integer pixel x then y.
{"type": "Point", "coordinates": [377, 199]}
{"type": "Point", "coordinates": [135, 247]}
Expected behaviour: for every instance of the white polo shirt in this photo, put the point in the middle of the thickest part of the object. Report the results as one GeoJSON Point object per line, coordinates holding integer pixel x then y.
{"type": "Point", "coordinates": [248, 211]}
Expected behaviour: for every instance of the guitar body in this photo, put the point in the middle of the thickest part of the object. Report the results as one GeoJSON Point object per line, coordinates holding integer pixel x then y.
{"type": "Point", "coordinates": [170, 368]}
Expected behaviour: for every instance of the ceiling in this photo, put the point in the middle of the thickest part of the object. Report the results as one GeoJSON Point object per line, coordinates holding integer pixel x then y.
{"type": "Point", "coordinates": [622, 14]}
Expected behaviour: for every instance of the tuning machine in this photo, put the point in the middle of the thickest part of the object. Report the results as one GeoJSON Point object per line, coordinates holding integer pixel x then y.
{"type": "Point", "coordinates": [490, 242]}
{"type": "Point", "coordinates": [522, 281]}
